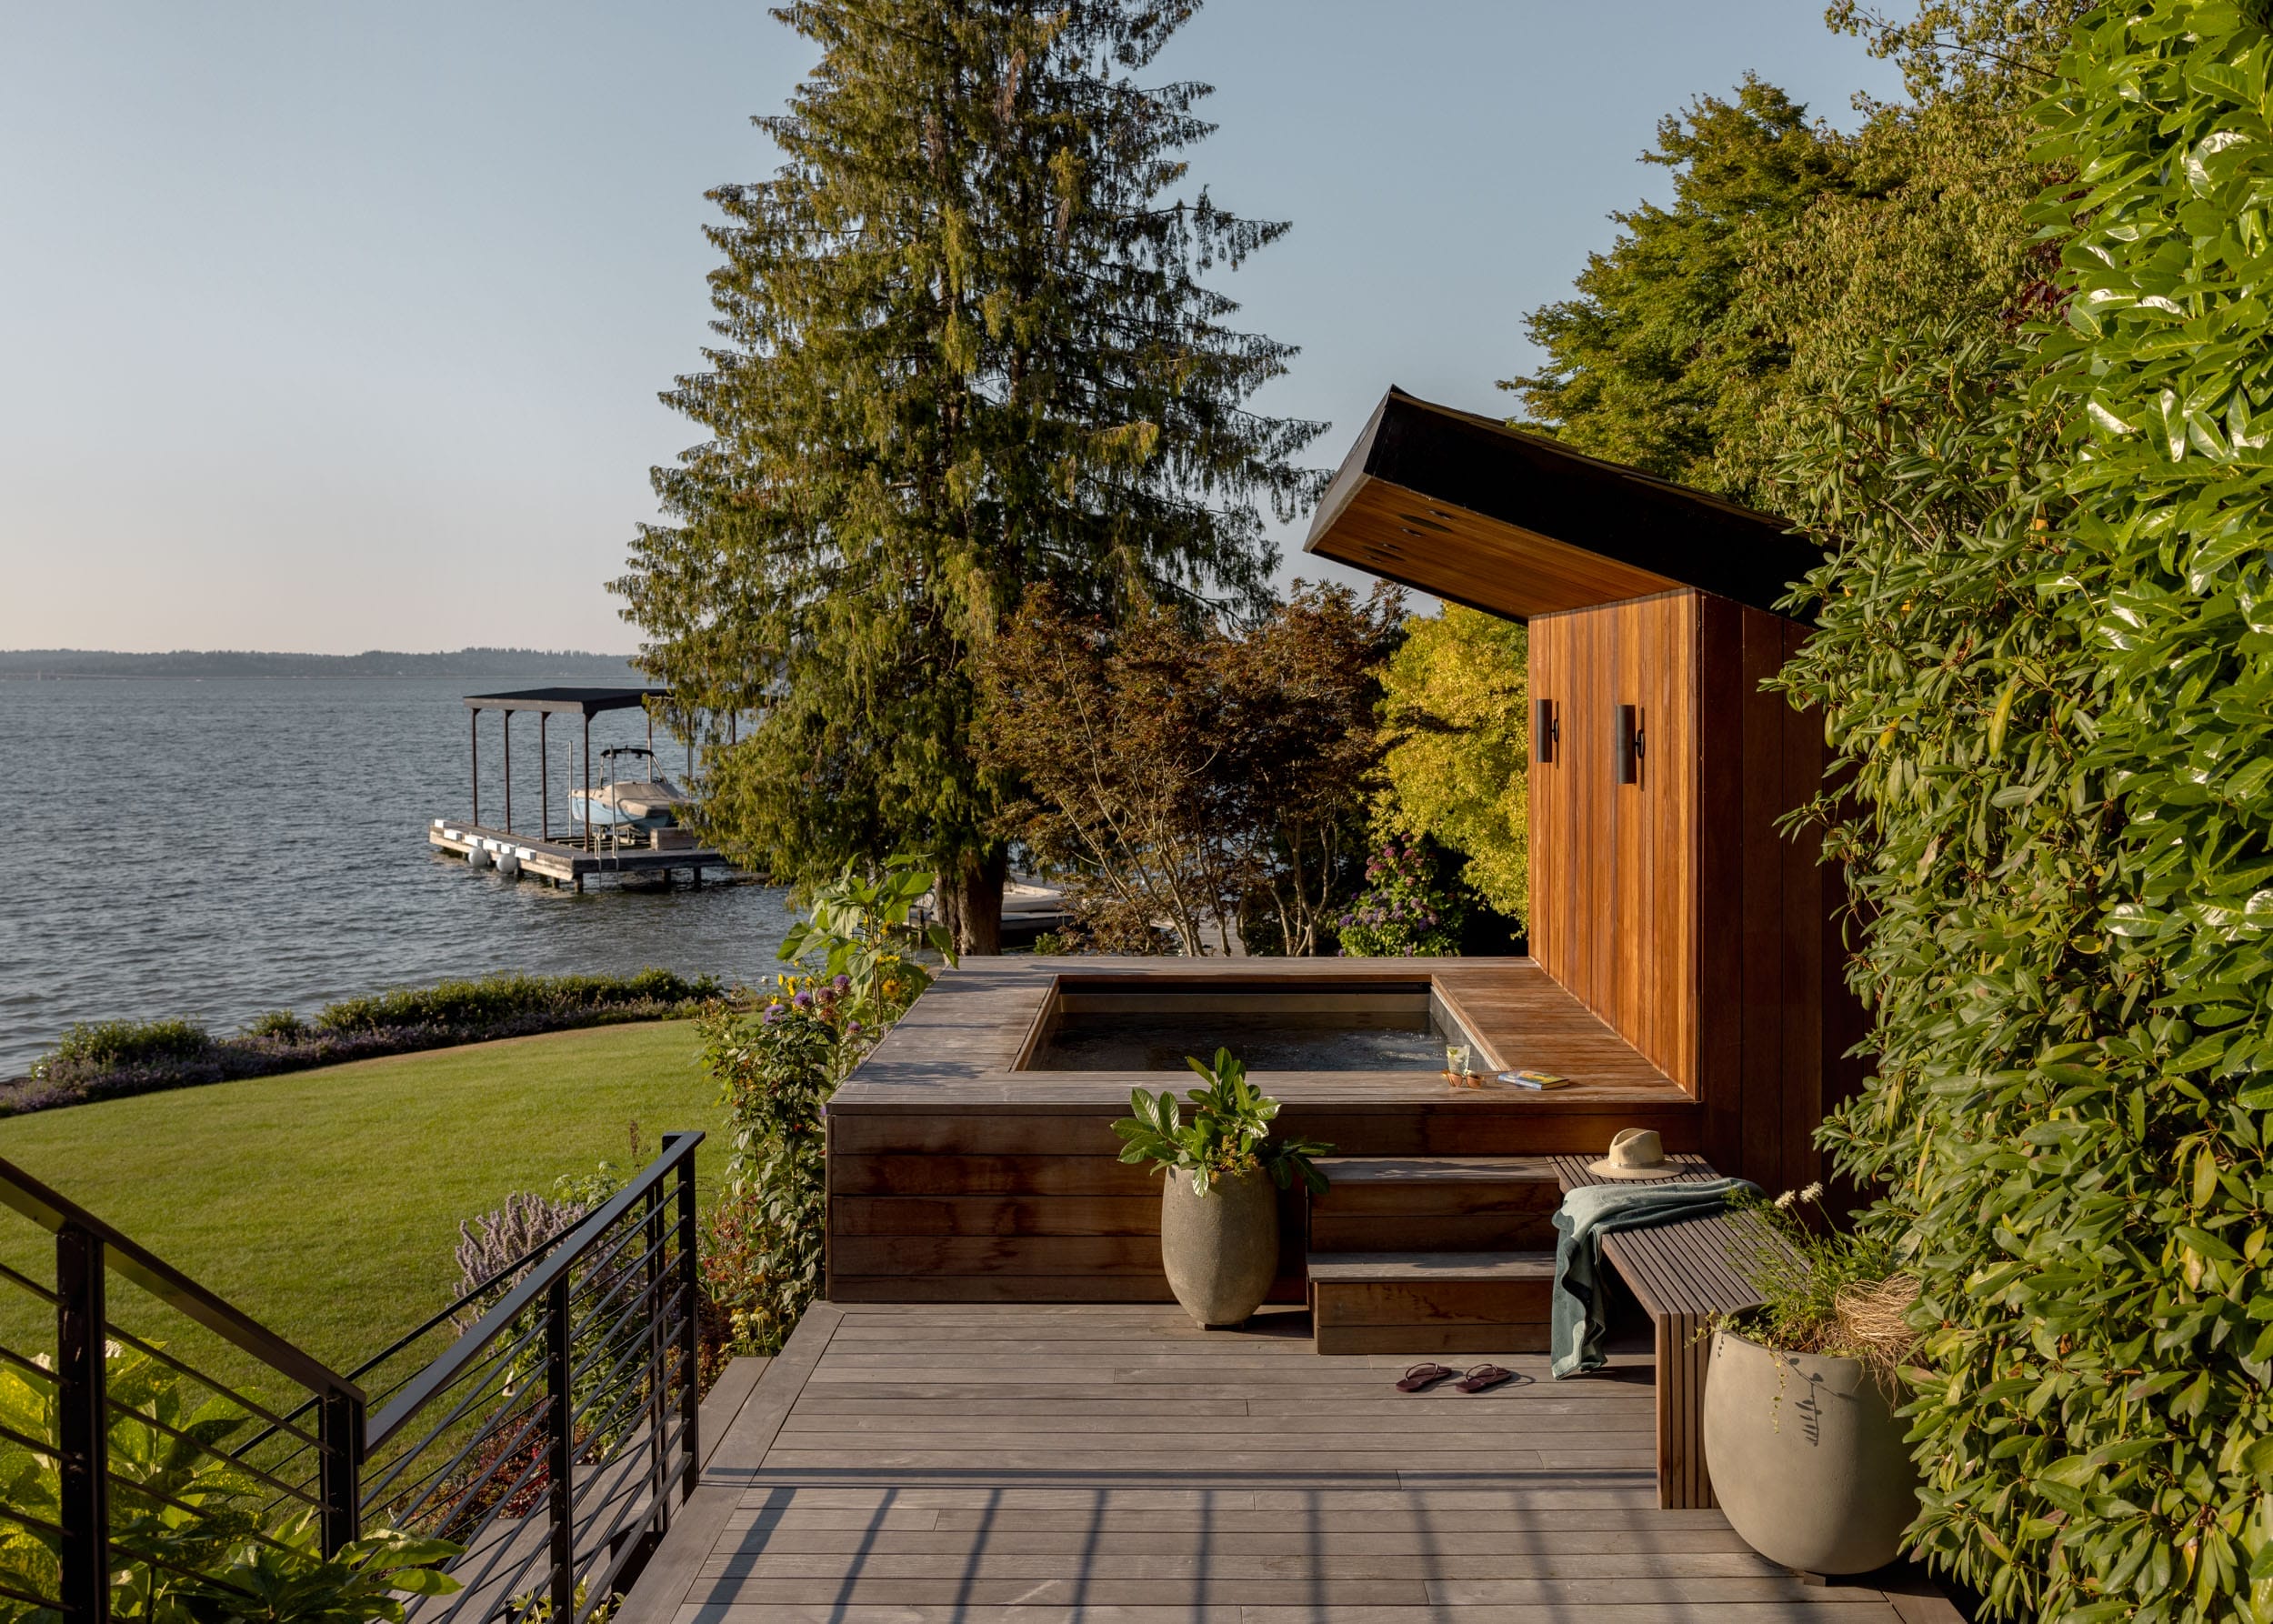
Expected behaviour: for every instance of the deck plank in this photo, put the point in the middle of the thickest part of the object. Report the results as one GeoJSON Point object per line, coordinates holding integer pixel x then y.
{"type": "Point", "coordinates": [1110, 1464]}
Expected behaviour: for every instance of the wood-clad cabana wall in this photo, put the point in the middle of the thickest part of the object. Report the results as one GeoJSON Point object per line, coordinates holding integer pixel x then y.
{"type": "Point", "coordinates": [1670, 904]}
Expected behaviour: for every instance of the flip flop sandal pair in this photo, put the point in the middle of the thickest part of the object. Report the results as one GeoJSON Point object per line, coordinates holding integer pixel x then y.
{"type": "Point", "coordinates": [1474, 1380]}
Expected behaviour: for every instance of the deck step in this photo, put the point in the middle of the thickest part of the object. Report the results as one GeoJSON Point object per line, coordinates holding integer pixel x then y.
{"type": "Point", "coordinates": [1430, 1302]}
{"type": "Point", "coordinates": [1435, 1203]}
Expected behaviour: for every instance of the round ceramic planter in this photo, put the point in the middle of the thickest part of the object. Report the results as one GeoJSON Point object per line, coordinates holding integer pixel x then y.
{"type": "Point", "coordinates": [1806, 1457]}
{"type": "Point", "coordinates": [1220, 1250]}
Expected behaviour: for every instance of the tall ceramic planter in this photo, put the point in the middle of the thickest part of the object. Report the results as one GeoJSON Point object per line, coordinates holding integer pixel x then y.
{"type": "Point", "coordinates": [1220, 1250]}
{"type": "Point", "coordinates": [1806, 1457]}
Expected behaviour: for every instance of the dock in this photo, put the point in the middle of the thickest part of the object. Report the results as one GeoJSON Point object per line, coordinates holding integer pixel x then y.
{"type": "Point", "coordinates": [586, 847]}
{"type": "Point", "coordinates": [568, 860]}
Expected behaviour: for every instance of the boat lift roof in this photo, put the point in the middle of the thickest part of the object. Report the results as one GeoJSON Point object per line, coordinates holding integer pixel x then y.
{"type": "Point", "coordinates": [580, 702]}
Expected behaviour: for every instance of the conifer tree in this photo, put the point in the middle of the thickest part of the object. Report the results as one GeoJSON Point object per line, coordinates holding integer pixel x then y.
{"type": "Point", "coordinates": [964, 348]}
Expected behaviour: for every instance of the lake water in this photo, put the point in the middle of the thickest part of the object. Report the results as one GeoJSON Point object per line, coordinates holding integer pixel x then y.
{"type": "Point", "coordinates": [218, 848]}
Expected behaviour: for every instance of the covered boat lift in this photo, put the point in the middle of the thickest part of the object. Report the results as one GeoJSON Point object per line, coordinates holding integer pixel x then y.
{"type": "Point", "coordinates": [579, 851]}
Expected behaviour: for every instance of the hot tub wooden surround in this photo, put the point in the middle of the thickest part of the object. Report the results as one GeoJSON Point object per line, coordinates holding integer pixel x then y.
{"type": "Point", "coordinates": [955, 1175]}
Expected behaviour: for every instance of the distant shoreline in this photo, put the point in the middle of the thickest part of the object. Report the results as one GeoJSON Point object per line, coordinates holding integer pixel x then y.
{"type": "Point", "coordinates": [64, 665]}
{"type": "Point", "coordinates": [278, 676]}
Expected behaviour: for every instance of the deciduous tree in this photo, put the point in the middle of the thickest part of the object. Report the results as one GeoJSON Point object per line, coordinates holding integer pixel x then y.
{"type": "Point", "coordinates": [1197, 778]}
{"type": "Point", "coordinates": [1458, 748]}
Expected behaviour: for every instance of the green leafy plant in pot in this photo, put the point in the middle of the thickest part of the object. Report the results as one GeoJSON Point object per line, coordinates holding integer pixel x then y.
{"type": "Point", "coordinates": [1802, 1439]}
{"type": "Point", "coordinates": [1218, 1219]}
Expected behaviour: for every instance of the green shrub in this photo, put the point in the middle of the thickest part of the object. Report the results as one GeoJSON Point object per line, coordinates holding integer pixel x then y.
{"type": "Point", "coordinates": [778, 1057]}
{"type": "Point", "coordinates": [193, 1536]}
{"type": "Point", "coordinates": [2046, 655]}
{"type": "Point", "coordinates": [459, 1005]}
{"type": "Point", "coordinates": [122, 1057]}
{"type": "Point", "coordinates": [104, 1046]}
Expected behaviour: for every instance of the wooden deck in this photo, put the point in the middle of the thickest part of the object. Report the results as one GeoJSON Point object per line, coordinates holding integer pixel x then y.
{"type": "Point", "coordinates": [953, 1175]}
{"type": "Point", "coordinates": [569, 860]}
{"type": "Point", "coordinates": [1022, 1464]}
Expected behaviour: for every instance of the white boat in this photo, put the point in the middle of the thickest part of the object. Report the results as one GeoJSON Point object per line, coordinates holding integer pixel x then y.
{"type": "Point", "coordinates": [650, 803]}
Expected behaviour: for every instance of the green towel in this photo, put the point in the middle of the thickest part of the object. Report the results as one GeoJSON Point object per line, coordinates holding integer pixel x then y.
{"type": "Point", "coordinates": [1581, 1317]}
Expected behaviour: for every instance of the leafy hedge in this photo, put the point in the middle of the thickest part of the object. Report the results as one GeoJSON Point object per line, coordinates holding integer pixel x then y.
{"type": "Point", "coordinates": [2046, 655]}
{"type": "Point", "coordinates": [112, 1059]}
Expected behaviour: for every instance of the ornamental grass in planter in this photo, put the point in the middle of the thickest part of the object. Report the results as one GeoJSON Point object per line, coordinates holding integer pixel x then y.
{"type": "Point", "coordinates": [1218, 1219]}
{"type": "Point", "coordinates": [1801, 1437]}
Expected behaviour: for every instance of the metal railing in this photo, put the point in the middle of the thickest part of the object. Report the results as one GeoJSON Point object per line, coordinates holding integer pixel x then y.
{"type": "Point", "coordinates": [544, 1439]}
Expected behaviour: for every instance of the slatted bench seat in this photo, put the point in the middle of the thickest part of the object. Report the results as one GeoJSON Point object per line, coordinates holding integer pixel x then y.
{"type": "Point", "coordinates": [1683, 1273]}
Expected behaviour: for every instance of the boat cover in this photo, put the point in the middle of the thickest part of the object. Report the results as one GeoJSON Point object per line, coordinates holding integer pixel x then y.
{"type": "Point", "coordinates": [636, 800]}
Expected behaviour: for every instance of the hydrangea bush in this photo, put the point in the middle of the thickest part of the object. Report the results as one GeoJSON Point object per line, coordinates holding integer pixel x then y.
{"type": "Point", "coordinates": [1403, 912]}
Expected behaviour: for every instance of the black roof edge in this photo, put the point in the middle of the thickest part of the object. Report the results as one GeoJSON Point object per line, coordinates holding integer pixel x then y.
{"type": "Point", "coordinates": [1535, 483]}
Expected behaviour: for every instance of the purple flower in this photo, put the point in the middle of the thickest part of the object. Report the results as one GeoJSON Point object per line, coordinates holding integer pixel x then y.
{"type": "Point", "coordinates": [841, 983]}
{"type": "Point", "coordinates": [773, 1013]}
{"type": "Point", "coordinates": [851, 1029]}
{"type": "Point", "coordinates": [804, 1000]}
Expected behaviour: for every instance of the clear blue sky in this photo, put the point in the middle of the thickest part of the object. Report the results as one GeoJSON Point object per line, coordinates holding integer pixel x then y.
{"type": "Point", "coordinates": [336, 326]}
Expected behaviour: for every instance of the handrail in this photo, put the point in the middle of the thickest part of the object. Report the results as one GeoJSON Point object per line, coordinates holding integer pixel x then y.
{"type": "Point", "coordinates": [612, 1304]}
{"type": "Point", "coordinates": [415, 1394]}
{"type": "Point", "coordinates": [53, 1213]}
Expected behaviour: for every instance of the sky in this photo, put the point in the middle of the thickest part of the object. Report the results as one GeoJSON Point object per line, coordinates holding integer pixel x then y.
{"type": "Point", "coordinates": [333, 327]}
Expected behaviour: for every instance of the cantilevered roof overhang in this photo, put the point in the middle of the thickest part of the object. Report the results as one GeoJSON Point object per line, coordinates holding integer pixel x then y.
{"type": "Point", "coordinates": [1518, 525]}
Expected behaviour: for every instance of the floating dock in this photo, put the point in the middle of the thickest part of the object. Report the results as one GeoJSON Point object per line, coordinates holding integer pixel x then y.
{"type": "Point", "coordinates": [569, 860]}
{"type": "Point", "coordinates": [586, 847]}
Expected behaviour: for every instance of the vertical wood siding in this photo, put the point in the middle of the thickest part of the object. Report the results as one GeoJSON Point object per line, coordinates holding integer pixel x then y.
{"type": "Point", "coordinates": [1672, 908]}
{"type": "Point", "coordinates": [1614, 877]}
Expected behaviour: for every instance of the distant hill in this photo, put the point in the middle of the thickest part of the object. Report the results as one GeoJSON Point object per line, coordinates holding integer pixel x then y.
{"type": "Point", "coordinates": [28, 662]}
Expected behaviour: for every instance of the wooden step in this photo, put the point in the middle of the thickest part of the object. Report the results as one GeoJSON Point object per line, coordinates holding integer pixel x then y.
{"type": "Point", "coordinates": [1435, 1204]}
{"type": "Point", "coordinates": [1430, 1302]}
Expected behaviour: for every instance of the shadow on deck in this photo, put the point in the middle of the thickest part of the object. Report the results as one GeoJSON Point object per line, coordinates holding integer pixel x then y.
{"type": "Point", "coordinates": [1028, 1464]}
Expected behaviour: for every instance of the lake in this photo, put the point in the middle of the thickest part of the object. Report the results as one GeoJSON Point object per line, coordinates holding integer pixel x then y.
{"type": "Point", "coordinates": [218, 848]}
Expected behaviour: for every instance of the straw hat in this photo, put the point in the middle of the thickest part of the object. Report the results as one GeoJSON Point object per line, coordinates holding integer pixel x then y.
{"type": "Point", "coordinates": [1635, 1153]}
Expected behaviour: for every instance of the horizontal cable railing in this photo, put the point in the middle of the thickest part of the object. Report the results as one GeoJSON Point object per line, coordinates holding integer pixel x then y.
{"type": "Point", "coordinates": [545, 1440]}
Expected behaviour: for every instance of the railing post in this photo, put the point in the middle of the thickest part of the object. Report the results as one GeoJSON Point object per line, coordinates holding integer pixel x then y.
{"type": "Point", "coordinates": [659, 1356]}
{"type": "Point", "coordinates": [84, 1432]}
{"type": "Point", "coordinates": [690, 1333]}
{"type": "Point", "coordinates": [561, 1405]}
{"type": "Point", "coordinates": [339, 1434]}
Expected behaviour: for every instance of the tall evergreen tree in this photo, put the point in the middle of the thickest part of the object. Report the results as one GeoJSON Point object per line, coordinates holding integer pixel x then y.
{"type": "Point", "coordinates": [1647, 364]}
{"type": "Point", "coordinates": [965, 349]}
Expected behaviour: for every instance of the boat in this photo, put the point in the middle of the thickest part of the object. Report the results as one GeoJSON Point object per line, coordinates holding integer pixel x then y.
{"type": "Point", "coordinates": [650, 803]}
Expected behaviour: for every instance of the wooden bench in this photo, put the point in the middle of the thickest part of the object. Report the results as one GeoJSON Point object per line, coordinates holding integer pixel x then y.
{"type": "Point", "coordinates": [1684, 1273]}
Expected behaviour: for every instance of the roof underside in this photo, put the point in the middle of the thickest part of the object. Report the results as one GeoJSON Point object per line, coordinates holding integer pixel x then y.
{"type": "Point", "coordinates": [582, 702]}
{"type": "Point", "coordinates": [1518, 525]}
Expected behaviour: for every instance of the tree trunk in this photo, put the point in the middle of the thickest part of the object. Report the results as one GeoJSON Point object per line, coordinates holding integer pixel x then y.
{"type": "Point", "coordinates": [970, 900]}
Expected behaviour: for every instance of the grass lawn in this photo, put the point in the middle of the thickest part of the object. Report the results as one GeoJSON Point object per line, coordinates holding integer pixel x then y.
{"type": "Point", "coordinates": [325, 1204]}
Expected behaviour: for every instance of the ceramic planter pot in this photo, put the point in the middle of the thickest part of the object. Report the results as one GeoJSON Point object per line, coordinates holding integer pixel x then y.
{"type": "Point", "coordinates": [1806, 1457]}
{"type": "Point", "coordinates": [1220, 1250]}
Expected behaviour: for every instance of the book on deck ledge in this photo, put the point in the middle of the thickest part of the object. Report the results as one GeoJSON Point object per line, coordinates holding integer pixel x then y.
{"type": "Point", "coordinates": [1535, 1079]}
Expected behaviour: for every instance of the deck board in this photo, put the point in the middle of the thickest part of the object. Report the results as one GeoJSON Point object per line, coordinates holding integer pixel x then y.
{"type": "Point", "coordinates": [1111, 1464]}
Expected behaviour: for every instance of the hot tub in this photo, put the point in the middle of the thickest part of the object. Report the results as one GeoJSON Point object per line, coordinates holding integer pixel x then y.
{"type": "Point", "coordinates": [1103, 1023]}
